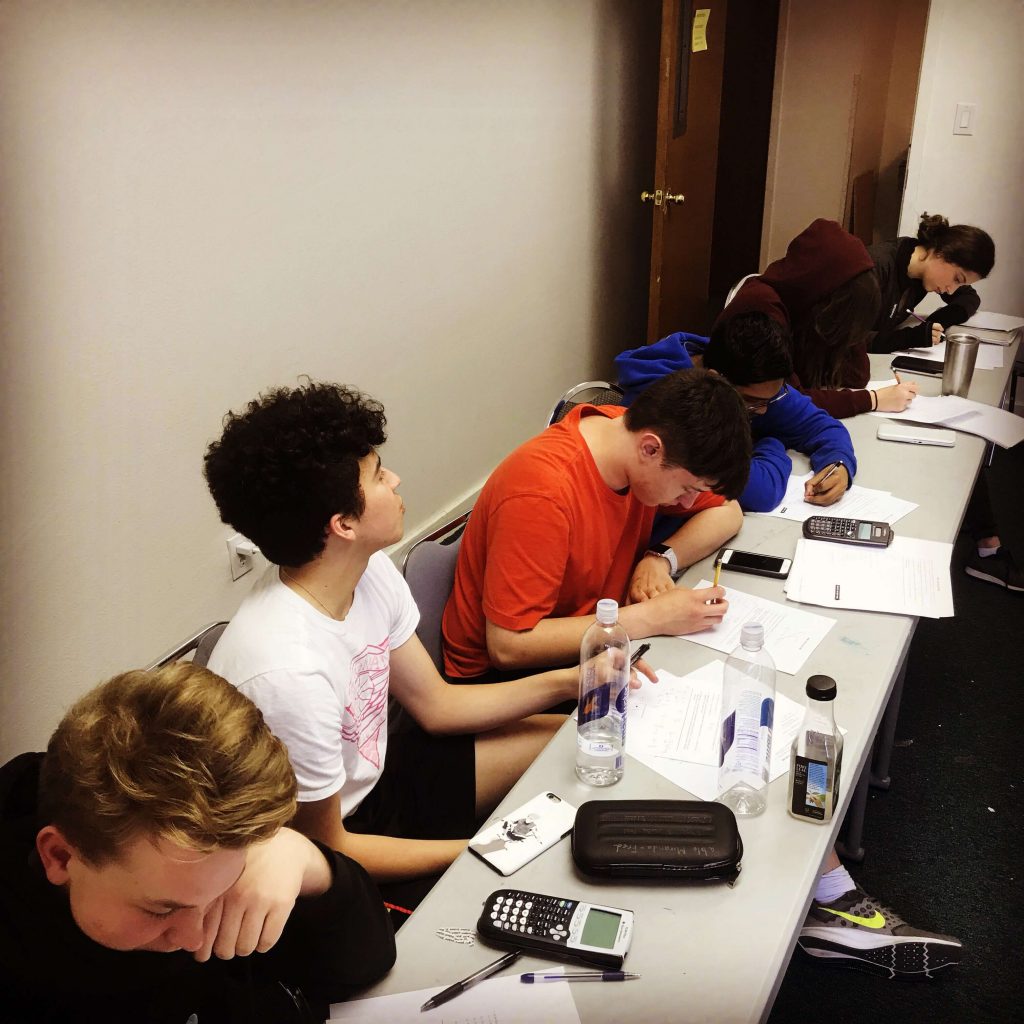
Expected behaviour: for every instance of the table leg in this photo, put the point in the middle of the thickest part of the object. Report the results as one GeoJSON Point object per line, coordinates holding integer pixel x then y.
{"type": "Point", "coordinates": [882, 754]}
{"type": "Point", "coordinates": [850, 846]}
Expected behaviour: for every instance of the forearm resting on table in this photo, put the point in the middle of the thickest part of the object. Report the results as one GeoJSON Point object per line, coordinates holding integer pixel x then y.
{"type": "Point", "coordinates": [550, 642]}
{"type": "Point", "coordinates": [385, 858]}
{"type": "Point", "coordinates": [707, 531]}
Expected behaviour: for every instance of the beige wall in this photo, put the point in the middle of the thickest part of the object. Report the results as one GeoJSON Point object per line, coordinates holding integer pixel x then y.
{"type": "Point", "coordinates": [843, 100]}
{"type": "Point", "coordinates": [435, 201]}
{"type": "Point", "coordinates": [972, 54]}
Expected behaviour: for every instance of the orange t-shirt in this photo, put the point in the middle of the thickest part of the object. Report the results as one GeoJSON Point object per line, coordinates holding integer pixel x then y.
{"type": "Point", "coordinates": [547, 538]}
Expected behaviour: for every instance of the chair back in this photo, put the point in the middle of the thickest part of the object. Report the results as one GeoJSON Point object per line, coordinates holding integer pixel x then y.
{"type": "Point", "coordinates": [590, 392]}
{"type": "Point", "coordinates": [736, 287]}
{"type": "Point", "coordinates": [429, 569]}
{"type": "Point", "coordinates": [200, 645]}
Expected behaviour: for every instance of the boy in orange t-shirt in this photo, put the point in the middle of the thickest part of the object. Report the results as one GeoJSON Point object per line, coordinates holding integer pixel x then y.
{"type": "Point", "coordinates": [565, 520]}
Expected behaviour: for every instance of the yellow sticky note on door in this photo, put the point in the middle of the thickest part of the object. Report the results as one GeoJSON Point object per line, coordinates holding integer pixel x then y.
{"type": "Point", "coordinates": [700, 29]}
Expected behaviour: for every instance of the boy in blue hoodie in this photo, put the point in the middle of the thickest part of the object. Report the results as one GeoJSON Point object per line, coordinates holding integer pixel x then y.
{"type": "Point", "coordinates": [751, 351]}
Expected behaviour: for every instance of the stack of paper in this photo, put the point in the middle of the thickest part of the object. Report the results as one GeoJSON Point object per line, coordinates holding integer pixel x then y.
{"type": "Point", "coordinates": [994, 321]}
{"type": "Point", "coordinates": [986, 421]}
{"type": "Point", "coordinates": [857, 503]}
{"type": "Point", "coordinates": [910, 577]}
{"type": "Point", "coordinates": [675, 727]}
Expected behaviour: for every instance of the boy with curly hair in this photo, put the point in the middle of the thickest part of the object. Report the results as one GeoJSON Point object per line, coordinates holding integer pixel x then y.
{"type": "Point", "coordinates": [328, 635]}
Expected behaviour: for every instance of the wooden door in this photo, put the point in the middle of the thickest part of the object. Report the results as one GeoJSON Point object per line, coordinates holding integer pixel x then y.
{"type": "Point", "coordinates": [714, 115]}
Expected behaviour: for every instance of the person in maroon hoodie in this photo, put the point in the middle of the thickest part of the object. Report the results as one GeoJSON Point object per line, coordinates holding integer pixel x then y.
{"type": "Point", "coordinates": [825, 291]}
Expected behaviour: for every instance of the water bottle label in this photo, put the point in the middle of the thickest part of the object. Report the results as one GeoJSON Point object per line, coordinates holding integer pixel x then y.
{"type": "Point", "coordinates": [595, 704]}
{"type": "Point", "coordinates": [599, 747]}
{"type": "Point", "coordinates": [811, 786]}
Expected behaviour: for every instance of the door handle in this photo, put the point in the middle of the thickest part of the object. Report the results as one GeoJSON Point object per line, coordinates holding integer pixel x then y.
{"type": "Point", "coordinates": [655, 196]}
{"type": "Point", "coordinates": [677, 198]}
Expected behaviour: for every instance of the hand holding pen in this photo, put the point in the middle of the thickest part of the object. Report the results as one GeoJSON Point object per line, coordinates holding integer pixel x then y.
{"type": "Point", "coordinates": [938, 334]}
{"type": "Point", "coordinates": [827, 486]}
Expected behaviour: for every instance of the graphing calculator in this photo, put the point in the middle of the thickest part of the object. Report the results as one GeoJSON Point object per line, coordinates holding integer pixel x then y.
{"type": "Point", "coordinates": [551, 926]}
{"type": "Point", "coordinates": [849, 531]}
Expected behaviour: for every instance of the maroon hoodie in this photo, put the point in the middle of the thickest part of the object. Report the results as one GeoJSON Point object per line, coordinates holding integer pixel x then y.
{"type": "Point", "coordinates": [818, 260]}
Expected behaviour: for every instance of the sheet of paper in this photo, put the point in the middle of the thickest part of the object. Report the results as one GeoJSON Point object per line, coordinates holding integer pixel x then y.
{"type": "Point", "coordinates": [495, 1001]}
{"type": "Point", "coordinates": [699, 776]}
{"type": "Point", "coordinates": [679, 717]}
{"type": "Point", "coordinates": [994, 321]}
{"type": "Point", "coordinates": [790, 635]}
{"type": "Point", "coordinates": [910, 577]}
{"type": "Point", "coordinates": [997, 425]}
{"type": "Point", "coordinates": [857, 503]}
{"type": "Point", "coordinates": [699, 39]}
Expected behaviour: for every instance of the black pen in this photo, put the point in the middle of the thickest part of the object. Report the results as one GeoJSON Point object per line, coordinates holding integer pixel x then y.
{"type": "Point", "coordinates": [638, 654]}
{"type": "Point", "coordinates": [460, 986]}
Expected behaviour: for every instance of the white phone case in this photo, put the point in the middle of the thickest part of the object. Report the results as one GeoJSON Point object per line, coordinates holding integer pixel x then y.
{"type": "Point", "coordinates": [514, 839]}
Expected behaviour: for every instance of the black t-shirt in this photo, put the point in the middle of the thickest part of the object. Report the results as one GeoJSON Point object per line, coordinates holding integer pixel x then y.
{"type": "Point", "coordinates": [51, 972]}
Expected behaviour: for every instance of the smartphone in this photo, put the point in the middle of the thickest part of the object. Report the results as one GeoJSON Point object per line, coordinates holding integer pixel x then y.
{"type": "Point", "coordinates": [556, 927]}
{"type": "Point", "coordinates": [917, 364]}
{"type": "Point", "coordinates": [754, 564]}
{"type": "Point", "coordinates": [514, 839]}
{"type": "Point", "coordinates": [910, 433]}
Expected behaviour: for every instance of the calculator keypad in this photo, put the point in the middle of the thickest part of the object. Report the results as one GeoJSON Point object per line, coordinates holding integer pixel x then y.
{"type": "Point", "coordinates": [530, 913]}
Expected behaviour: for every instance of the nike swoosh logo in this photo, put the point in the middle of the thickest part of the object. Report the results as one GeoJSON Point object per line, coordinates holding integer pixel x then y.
{"type": "Point", "coordinates": [875, 921]}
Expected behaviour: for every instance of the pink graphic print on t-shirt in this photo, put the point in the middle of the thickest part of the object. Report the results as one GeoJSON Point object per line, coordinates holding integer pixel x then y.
{"type": "Point", "coordinates": [366, 714]}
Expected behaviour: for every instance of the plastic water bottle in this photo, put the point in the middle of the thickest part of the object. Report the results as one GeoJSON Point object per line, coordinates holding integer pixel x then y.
{"type": "Point", "coordinates": [748, 712]}
{"type": "Point", "coordinates": [604, 685]}
{"type": "Point", "coordinates": [816, 757]}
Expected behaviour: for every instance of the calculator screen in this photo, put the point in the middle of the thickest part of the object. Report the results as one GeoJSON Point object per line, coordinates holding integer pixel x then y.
{"type": "Point", "coordinates": [600, 929]}
{"type": "Point", "coordinates": [864, 531]}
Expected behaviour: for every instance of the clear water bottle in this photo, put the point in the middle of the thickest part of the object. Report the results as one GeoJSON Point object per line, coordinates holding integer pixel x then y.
{"type": "Point", "coordinates": [604, 685]}
{"type": "Point", "coordinates": [816, 758]}
{"type": "Point", "coordinates": [748, 713]}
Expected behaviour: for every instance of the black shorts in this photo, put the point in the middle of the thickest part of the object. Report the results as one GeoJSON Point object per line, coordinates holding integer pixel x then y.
{"type": "Point", "coordinates": [426, 791]}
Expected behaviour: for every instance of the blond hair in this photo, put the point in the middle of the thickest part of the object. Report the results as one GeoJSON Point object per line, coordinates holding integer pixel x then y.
{"type": "Point", "coordinates": [177, 754]}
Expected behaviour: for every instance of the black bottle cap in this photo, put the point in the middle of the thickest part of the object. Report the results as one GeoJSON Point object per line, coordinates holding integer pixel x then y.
{"type": "Point", "coordinates": [821, 688]}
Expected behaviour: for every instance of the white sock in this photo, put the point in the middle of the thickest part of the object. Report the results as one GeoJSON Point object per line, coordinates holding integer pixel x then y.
{"type": "Point", "coordinates": [833, 884]}
{"type": "Point", "coordinates": [987, 552]}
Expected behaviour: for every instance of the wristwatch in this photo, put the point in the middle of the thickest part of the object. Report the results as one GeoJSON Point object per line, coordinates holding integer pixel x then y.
{"type": "Point", "coordinates": [664, 551]}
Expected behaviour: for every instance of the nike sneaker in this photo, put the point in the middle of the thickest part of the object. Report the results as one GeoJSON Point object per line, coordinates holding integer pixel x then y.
{"type": "Point", "coordinates": [857, 931]}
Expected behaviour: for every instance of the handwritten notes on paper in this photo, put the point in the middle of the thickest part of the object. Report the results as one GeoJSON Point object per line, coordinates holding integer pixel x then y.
{"type": "Point", "coordinates": [675, 728]}
{"type": "Point", "coordinates": [790, 635]}
{"type": "Point", "coordinates": [857, 503]}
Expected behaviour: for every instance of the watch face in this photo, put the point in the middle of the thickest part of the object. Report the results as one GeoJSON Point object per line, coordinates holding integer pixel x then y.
{"type": "Point", "coordinates": [661, 549]}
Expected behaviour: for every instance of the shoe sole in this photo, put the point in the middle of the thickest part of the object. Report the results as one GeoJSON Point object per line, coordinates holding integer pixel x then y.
{"type": "Point", "coordinates": [997, 580]}
{"type": "Point", "coordinates": [905, 959]}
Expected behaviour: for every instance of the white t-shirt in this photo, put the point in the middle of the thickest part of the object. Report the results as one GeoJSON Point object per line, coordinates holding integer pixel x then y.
{"type": "Point", "coordinates": [322, 685]}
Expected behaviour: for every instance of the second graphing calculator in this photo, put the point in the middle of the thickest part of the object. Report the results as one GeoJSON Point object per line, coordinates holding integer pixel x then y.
{"type": "Point", "coordinates": [550, 926]}
{"type": "Point", "coordinates": [849, 531]}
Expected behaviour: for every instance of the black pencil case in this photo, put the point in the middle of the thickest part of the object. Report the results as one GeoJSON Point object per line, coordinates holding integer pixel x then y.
{"type": "Point", "coordinates": [677, 840]}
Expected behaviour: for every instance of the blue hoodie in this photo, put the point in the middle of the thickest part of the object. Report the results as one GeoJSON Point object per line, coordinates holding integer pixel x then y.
{"type": "Point", "coordinates": [793, 422]}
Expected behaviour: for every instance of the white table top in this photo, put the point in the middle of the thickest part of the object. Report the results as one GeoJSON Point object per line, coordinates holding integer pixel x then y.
{"type": "Point", "coordinates": [714, 953]}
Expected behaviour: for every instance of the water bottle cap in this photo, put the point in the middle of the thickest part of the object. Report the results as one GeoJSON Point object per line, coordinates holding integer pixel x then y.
{"type": "Point", "coordinates": [607, 611]}
{"type": "Point", "coordinates": [821, 688]}
{"type": "Point", "coordinates": [752, 636]}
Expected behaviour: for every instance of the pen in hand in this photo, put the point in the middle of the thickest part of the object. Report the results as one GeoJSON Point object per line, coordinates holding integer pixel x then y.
{"type": "Point", "coordinates": [718, 573]}
{"type": "Point", "coordinates": [638, 654]}
{"type": "Point", "coordinates": [460, 986]}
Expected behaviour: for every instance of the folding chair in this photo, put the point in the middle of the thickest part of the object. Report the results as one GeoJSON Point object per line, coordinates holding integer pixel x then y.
{"type": "Point", "coordinates": [590, 392]}
{"type": "Point", "coordinates": [200, 645]}
{"type": "Point", "coordinates": [429, 569]}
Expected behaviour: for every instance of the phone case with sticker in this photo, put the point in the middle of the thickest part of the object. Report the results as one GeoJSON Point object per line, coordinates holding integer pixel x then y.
{"type": "Point", "coordinates": [508, 842]}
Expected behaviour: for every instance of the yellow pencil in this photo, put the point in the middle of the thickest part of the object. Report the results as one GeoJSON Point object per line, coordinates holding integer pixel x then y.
{"type": "Point", "coordinates": [718, 572]}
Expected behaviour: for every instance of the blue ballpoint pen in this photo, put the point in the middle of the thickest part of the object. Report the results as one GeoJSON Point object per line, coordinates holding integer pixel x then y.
{"type": "Point", "coordinates": [534, 977]}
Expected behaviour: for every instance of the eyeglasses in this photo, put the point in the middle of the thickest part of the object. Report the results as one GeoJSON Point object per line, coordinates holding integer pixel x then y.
{"type": "Point", "coordinates": [759, 406]}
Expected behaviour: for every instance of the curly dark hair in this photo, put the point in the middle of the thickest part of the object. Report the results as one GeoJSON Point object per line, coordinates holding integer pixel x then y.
{"type": "Point", "coordinates": [703, 425]}
{"type": "Point", "coordinates": [289, 462]}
